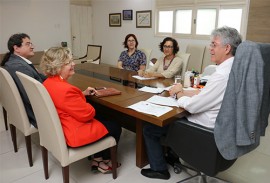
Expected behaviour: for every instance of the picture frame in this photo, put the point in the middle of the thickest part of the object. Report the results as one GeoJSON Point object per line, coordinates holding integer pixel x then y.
{"type": "Point", "coordinates": [127, 14]}
{"type": "Point", "coordinates": [144, 19]}
{"type": "Point", "coordinates": [115, 19]}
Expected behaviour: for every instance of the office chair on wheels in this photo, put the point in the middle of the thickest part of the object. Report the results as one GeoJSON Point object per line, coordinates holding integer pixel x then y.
{"type": "Point", "coordinates": [196, 146]}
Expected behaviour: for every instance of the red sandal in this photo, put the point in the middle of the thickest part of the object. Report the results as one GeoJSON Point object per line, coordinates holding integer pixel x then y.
{"type": "Point", "coordinates": [103, 170]}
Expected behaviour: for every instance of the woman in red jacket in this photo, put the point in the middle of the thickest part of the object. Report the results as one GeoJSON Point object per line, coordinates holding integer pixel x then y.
{"type": "Point", "coordinates": [76, 115]}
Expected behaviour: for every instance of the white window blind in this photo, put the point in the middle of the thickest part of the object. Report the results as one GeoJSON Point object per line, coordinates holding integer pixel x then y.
{"type": "Point", "coordinates": [172, 3]}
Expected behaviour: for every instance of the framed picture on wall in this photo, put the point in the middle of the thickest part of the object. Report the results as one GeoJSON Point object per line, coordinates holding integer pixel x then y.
{"type": "Point", "coordinates": [115, 19]}
{"type": "Point", "coordinates": [144, 19]}
{"type": "Point", "coordinates": [127, 14]}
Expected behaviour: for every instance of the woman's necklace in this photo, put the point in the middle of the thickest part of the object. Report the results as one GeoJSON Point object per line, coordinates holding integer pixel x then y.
{"type": "Point", "coordinates": [165, 67]}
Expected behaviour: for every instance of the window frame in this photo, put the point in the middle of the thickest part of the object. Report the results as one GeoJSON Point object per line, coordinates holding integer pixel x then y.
{"type": "Point", "coordinates": [194, 9]}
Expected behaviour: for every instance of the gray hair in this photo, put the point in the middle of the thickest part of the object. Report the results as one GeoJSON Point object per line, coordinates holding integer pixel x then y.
{"type": "Point", "coordinates": [229, 36]}
{"type": "Point", "coordinates": [54, 59]}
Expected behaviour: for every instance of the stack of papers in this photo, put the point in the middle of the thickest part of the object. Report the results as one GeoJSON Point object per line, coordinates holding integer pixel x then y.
{"type": "Point", "coordinates": [149, 108]}
{"type": "Point", "coordinates": [142, 78]}
{"type": "Point", "coordinates": [168, 101]}
{"type": "Point", "coordinates": [151, 89]}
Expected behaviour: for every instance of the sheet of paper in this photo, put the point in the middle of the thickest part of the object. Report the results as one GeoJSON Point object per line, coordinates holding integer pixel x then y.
{"type": "Point", "coordinates": [188, 88]}
{"type": "Point", "coordinates": [151, 89]}
{"type": "Point", "coordinates": [142, 78]}
{"type": "Point", "coordinates": [149, 108]}
{"type": "Point", "coordinates": [168, 101]}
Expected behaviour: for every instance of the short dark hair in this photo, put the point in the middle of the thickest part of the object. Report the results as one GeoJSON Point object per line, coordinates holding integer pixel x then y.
{"type": "Point", "coordinates": [126, 40]}
{"type": "Point", "coordinates": [175, 44]}
{"type": "Point", "coordinates": [15, 39]}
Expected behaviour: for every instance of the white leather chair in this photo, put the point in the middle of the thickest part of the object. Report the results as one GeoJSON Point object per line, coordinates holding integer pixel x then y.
{"type": "Point", "coordinates": [185, 58]}
{"type": "Point", "coordinates": [209, 70]}
{"type": "Point", "coordinates": [147, 53]}
{"type": "Point", "coordinates": [51, 134]}
{"type": "Point", "coordinates": [206, 59]}
{"type": "Point", "coordinates": [196, 57]}
{"type": "Point", "coordinates": [17, 117]}
{"type": "Point", "coordinates": [3, 109]}
{"type": "Point", "coordinates": [4, 116]}
{"type": "Point", "coordinates": [93, 55]}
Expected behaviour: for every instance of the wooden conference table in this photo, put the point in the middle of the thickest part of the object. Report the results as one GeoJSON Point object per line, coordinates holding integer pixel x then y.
{"type": "Point", "coordinates": [114, 107]}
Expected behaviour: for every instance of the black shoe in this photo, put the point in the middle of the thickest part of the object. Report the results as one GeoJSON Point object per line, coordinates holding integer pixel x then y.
{"type": "Point", "coordinates": [155, 174]}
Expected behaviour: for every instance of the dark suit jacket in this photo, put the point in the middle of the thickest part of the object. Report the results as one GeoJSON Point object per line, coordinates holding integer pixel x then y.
{"type": "Point", "coordinates": [16, 63]}
{"type": "Point", "coordinates": [244, 112]}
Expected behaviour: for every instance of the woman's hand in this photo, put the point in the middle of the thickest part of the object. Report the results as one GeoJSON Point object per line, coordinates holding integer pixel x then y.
{"type": "Point", "coordinates": [141, 73]}
{"type": "Point", "coordinates": [120, 65]}
{"type": "Point", "coordinates": [148, 74]}
{"type": "Point", "coordinates": [89, 91]}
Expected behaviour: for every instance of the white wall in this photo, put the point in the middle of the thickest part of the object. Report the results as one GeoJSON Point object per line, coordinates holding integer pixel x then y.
{"type": "Point", "coordinates": [111, 38]}
{"type": "Point", "coordinates": [47, 22]}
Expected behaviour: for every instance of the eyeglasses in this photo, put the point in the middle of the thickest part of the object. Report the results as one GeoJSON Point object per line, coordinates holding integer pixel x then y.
{"type": "Point", "coordinates": [69, 62]}
{"type": "Point", "coordinates": [131, 40]}
{"type": "Point", "coordinates": [29, 44]}
{"type": "Point", "coordinates": [169, 47]}
{"type": "Point", "coordinates": [214, 45]}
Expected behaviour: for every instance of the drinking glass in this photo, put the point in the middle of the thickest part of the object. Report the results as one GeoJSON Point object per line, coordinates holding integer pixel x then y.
{"type": "Point", "coordinates": [177, 79]}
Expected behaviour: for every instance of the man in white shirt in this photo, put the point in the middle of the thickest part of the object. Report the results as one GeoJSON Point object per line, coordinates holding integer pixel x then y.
{"type": "Point", "coordinates": [204, 106]}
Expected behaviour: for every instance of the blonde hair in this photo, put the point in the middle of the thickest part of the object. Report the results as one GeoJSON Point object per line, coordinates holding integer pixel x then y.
{"type": "Point", "coordinates": [54, 59]}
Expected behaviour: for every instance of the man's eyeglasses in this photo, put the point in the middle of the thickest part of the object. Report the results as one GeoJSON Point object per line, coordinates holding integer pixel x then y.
{"type": "Point", "coordinates": [29, 44]}
{"type": "Point", "coordinates": [214, 45]}
{"type": "Point", "coordinates": [165, 46]}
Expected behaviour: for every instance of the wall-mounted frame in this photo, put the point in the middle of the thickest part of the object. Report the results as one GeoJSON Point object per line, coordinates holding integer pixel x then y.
{"type": "Point", "coordinates": [115, 19]}
{"type": "Point", "coordinates": [144, 19]}
{"type": "Point", "coordinates": [127, 14]}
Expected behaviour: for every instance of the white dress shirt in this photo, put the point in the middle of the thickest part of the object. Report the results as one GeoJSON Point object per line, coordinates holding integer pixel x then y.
{"type": "Point", "coordinates": [205, 106]}
{"type": "Point", "coordinates": [25, 59]}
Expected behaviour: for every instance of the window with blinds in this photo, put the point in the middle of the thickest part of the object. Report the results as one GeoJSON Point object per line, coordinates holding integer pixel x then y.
{"type": "Point", "coordinates": [197, 18]}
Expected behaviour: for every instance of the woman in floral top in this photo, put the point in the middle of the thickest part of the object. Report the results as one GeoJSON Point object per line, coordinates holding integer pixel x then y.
{"type": "Point", "coordinates": [132, 59]}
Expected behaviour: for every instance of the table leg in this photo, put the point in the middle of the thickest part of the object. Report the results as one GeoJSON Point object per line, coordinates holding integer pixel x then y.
{"type": "Point", "coordinates": [141, 156]}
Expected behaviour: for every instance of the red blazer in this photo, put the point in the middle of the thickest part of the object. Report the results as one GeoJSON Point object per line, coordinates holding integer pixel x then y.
{"type": "Point", "coordinates": [76, 115]}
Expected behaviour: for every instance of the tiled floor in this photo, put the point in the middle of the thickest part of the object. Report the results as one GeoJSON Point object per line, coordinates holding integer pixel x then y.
{"type": "Point", "coordinates": [14, 167]}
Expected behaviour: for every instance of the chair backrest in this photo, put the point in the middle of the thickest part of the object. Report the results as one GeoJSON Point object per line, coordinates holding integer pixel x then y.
{"type": "Point", "coordinates": [246, 101]}
{"type": "Point", "coordinates": [93, 53]}
{"type": "Point", "coordinates": [196, 57]}
{"type": "Point", "coordinates": [209, 70]}
{"type": "Point", "coordinates": [12, 102]}
{"type": "Point", "coordinates": [206, 59]}
{"type": "Point", "coordinates": [37, 58]}
{"type": "Point", "coordinates": [185, 58]}
{"type": "Point", "coordinates": [50, 129]}
{"type": "Point", "coordinates": [147, 53]}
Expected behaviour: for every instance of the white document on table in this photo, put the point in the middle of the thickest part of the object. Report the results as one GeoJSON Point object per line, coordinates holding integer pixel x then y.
{"type": "Point", "coordinates": [168, 101]}
{"type": "Point", "coordinates": [149, 108]}
{"type": "Point", "coordinates": [151, 89]}
{"type": "Point", "coordinates": [142, 78]}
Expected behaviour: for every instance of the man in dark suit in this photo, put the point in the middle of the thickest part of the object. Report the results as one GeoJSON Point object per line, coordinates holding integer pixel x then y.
{"type": "Point", "coordinates": [20, 50]}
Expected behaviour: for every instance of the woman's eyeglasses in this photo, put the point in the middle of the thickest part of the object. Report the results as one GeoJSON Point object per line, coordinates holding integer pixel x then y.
{"type": "Point", "coordinates": [169, 47]}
